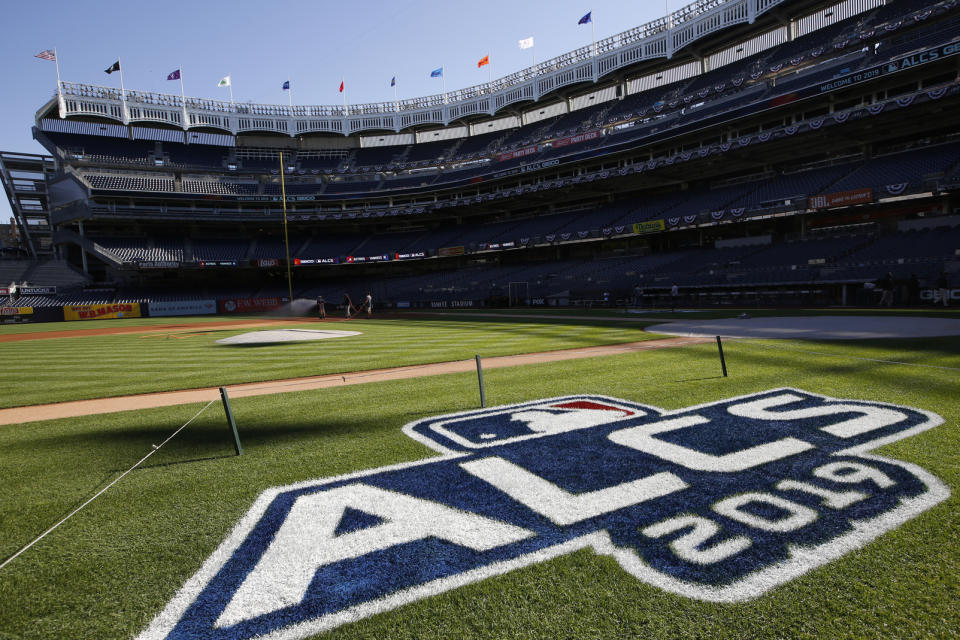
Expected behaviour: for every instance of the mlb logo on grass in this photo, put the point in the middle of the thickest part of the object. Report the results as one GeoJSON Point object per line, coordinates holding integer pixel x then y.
{"type": "Point", "coordinates": [719, 502]}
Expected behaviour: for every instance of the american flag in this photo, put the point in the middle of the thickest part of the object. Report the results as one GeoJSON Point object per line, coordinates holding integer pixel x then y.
{"type": "Point", "coordinates": [47, 54]}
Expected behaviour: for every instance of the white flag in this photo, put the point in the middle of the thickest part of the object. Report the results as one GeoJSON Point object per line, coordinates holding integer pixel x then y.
{"type": "Point", "coordinates": [526, 44]}
{"type": "Point", "coordinates": [225, 82]}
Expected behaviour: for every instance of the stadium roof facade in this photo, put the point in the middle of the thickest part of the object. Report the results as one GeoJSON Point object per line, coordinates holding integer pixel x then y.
{"type": "Point", "coordinates": [680, 38]}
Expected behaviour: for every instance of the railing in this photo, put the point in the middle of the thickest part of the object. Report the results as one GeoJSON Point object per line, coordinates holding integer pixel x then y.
{"type": "Point", "coordinates": [656, 39]}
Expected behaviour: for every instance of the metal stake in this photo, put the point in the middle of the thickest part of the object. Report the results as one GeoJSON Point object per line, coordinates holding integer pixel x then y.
{"type": "Point", "coordinates": [483, 395]}
{"type": "Point", "coordinates": [231, 421]}
{"type": "Point", "coordinates": [723, 362]}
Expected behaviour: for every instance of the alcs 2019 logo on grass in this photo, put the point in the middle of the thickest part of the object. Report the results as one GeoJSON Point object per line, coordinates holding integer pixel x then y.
{"type": "Point", "coordinates": [719, 502]}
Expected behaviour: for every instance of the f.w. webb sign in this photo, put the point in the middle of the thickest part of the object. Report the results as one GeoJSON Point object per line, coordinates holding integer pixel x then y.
{"type": "Point", "coordinates": [719, 502]}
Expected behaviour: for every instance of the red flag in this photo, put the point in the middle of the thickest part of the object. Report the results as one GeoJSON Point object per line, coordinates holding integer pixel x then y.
{"type": "Point", "coordinates": [341, 86]}
{"type": "Point", "coordinates": [484, 60]}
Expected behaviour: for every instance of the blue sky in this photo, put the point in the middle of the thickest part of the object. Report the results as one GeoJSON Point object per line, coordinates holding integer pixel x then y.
{"type": "Point", "coordinates": [261, 44]}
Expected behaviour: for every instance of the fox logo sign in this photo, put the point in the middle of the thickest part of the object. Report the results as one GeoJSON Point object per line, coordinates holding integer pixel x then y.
{"type": "Point", "coordinates": [720, 502]}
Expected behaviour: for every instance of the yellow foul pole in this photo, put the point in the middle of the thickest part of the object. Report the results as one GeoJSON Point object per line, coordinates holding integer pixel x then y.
{"type": "Point", "coordinates": [286, 236]}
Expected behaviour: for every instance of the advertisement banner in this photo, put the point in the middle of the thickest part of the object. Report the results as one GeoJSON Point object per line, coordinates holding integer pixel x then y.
{"type": "Point", "coordinates": [182, 308]}
{"type": "Point", "coordinates": [301, 261]}
{"type": "Point", "coordinates": [518, 153]}
{"type": "Point", "coordinates": [158, 264]}
{"type": "Point", "coordinates": [217, 263]}
{"type": "Point", "coordinates": [37, 291]}
{"type": "Point", "coordinates": [249, 305]}
{"type": "Point", "coordinates": [410, 256]}
{"type": "Point", "coordinates": [16, 311]}
{"type": "Point", "coordinates": [445, 252]}
{"type": "Point", "coordinates": [650, 226]}
{"type": "Point", "coordinates": [539, 165]}
{"type": "Point", "coordinates": [268, 262]}
{"type": "Point", "coordinates": [358, 259]}
{"type": "Point", "coordinates": [101, 311]}
{"type": "Point", "coordinates": [841, 199]}
{"type": "Point", "coordinates": [900, 64]}
{"type": "Point", "coordinates": [577, 139]}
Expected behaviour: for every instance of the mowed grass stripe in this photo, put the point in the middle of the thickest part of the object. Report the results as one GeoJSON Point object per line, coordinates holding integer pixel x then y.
{"type": "Point", "coordinates": [98, 366]}
{"type": "Point", "coordinates": [144, 538]}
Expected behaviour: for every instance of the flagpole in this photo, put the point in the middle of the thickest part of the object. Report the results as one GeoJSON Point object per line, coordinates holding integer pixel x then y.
{"type": "Point", "coordinates": [230, 86]}
{"type": "Point", "coordinates": [396, 102]}
{"type": "Point", "coordinates": [60, 102]}
{"type": "Point", "coordinates": [123, 94]}
{"type": "Point", "coordinates": [443, 80]}
{"type": "Point", "coordinates": [183, 98]}
{"type": "Point", "coordinates": [593, 36]}
{"type": "Point", "coordinates": [344, 96]}
{"type": "Point", "coordinates": [286, 236]}
{"type": "Point", "coordinates": [290, 94]}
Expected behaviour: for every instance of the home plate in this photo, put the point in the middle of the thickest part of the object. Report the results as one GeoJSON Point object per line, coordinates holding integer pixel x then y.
{"type": "Point", "coordinates": [285, 335]}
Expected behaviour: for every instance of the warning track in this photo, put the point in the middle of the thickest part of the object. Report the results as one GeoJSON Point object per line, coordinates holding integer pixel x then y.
{"type": "Point", "coordinates": [18, 415]}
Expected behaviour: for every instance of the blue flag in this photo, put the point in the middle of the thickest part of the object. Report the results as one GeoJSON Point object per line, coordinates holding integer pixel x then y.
{"type": "Point", "coordinates": [393, 81]}
{"type": "Point", "coordinates": [286, 85]}
{"type": "Point", "coordinates": [585, 19]}
{"type": "Point", "coordinates": [437, 73]}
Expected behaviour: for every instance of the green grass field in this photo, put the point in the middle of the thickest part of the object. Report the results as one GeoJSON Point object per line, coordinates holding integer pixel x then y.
{"type": "Point", "coordinates": [109, 570]}
{"type": "Point", "coordinates": [641, 313]}
{"type": "Point", "coordinates": [114, 365]}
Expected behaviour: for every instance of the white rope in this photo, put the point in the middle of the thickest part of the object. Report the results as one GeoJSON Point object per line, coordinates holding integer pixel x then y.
{"type": "Point", "coordinates": [99, 493]}
{"type": "Point", "coordinates": [840, 355]}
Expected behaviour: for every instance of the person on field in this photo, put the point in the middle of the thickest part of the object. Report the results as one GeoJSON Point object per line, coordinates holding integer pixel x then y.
{"type": "Point", "coordinates": [321, 308]}
{"type": "Point", "coordinates": [368, 303]}
{"type": "Point", "coordinates": [913, 290]}
{"type": "Point", "coordinates": [674, 294]}
{"type": "Point", "coordinates": [886, 290]}
{"type": "Point", "coordinates": [347, 305]}
{"type": "Point", "coordinates": [943, 289]}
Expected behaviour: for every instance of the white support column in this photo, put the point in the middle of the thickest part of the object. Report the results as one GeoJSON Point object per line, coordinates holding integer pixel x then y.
{"type": "Point", "coordinates": [751, 10]}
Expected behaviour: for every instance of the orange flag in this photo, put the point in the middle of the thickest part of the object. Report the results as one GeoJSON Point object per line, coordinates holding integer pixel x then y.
{"type": "Point", "coordinates": [484, 60]}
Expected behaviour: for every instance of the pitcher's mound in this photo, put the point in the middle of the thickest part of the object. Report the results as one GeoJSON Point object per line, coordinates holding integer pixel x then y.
{"type": "Point", "coordinates": [285, 335]}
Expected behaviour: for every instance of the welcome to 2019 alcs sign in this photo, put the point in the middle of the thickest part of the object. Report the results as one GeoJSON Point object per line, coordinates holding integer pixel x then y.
{"type": "Point", "coordinates": [719, 502]}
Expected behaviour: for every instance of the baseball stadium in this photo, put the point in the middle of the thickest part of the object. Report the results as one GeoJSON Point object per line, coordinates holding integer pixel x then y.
{"type": "Point", "coordinates": [655, 338]}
